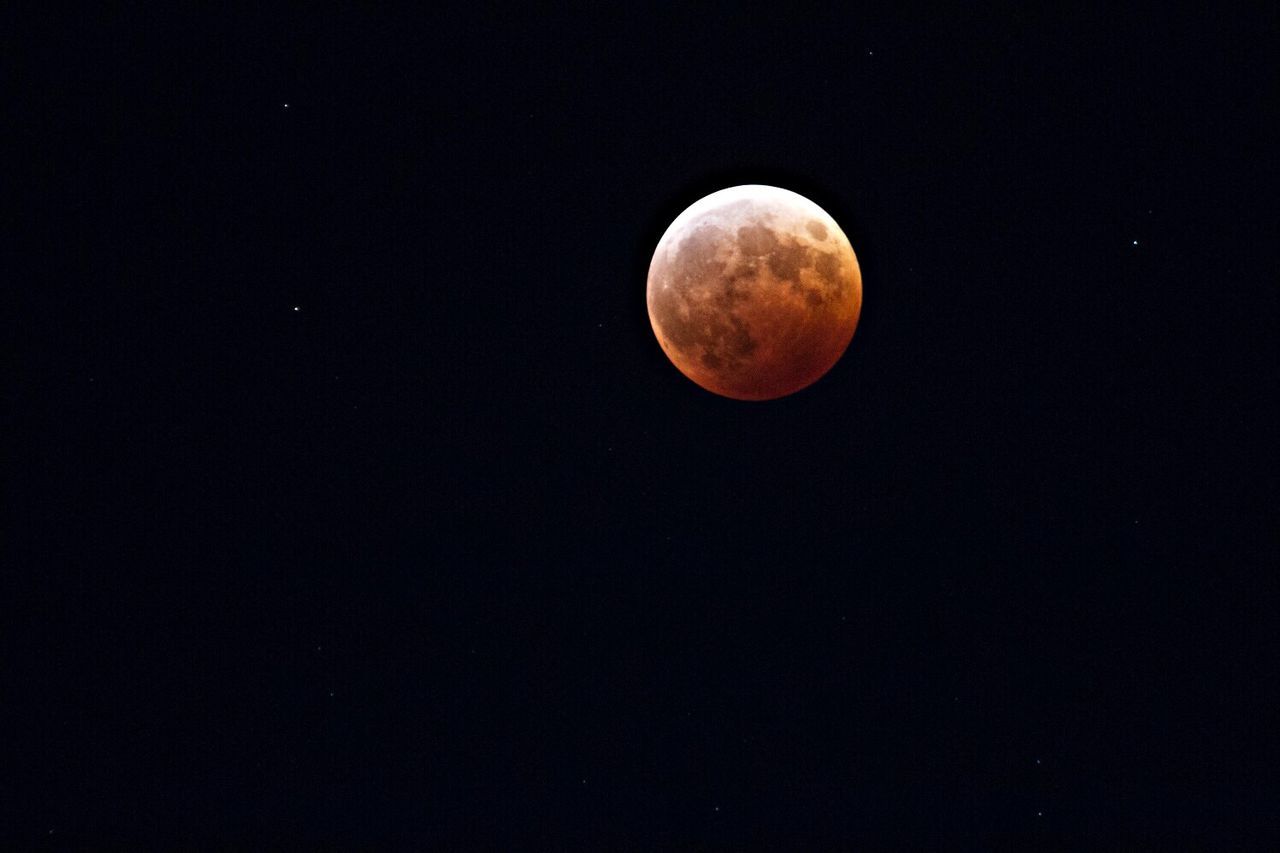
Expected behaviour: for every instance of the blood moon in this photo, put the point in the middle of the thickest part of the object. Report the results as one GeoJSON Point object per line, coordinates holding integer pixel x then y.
{"type": "Point", "coordinates": [754, 292]}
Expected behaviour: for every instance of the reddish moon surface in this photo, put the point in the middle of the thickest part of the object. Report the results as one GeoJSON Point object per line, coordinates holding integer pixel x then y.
{"type": "Point", "coordinates": [754, 292]}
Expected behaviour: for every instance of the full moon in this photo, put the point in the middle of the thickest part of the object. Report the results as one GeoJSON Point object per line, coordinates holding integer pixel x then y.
{"type": "Point", "coordinates": [754, 292]}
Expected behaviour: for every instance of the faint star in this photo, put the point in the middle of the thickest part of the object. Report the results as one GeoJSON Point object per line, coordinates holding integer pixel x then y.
{"type": "Point", "coordinates": [1135, 242]}
{"type": "Point", "coordinates": [286, 106]}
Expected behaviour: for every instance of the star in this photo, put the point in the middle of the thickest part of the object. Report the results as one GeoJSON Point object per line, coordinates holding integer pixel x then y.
{"type": "Point", "coordinates": [1135, 242]}
{"type": "Point", "coordinates": [297, 308]}
{"type": "Point", "coordinates": [286, 106]}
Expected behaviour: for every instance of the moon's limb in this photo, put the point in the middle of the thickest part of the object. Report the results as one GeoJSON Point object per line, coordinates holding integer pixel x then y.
{"type": "Point", "coordinates": [754, 292]}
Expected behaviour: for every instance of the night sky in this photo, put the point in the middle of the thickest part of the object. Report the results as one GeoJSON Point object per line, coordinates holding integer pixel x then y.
{"type": "Point", "coordinates": [351, 499]}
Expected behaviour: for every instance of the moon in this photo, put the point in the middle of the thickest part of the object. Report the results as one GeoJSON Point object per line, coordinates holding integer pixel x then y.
{"type": "Point", "coordinates": [754, 292]}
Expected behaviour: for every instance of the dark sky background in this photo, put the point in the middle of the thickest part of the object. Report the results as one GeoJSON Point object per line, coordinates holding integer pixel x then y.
{"type": "Point", "coordinates": [352, 499]}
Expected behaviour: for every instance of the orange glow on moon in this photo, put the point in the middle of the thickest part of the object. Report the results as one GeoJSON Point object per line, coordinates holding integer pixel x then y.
{"type": "Point", "coordinates": [754, 292]}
